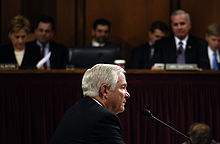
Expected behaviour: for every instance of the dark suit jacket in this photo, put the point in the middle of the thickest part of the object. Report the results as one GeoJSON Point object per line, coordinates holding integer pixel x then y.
{"type": "Point", "coordinates": [195, 53]}
{"type": "Point", "coordinates": [59, 55]}
{"type": "Point", "coordinates": [30, 59]}
{"type": "Point", "coordinates": [87, 122]}
{"type": "Point", "coordinates": [140, 57]}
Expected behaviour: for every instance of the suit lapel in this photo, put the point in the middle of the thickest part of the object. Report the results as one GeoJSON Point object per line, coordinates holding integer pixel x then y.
{"type": "Point", "coordinates": [173, 51]}
{"type": "Point", "coordinates": [13, 57]}
{"type": "Point", "coordinates": [146, 54]}
{"type": "Point", "coordinates": [52, 59]}
{"type": "Point", "coordinates": [189, 49]}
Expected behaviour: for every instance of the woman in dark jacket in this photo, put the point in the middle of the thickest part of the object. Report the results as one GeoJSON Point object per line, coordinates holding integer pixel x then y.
{"type": "Point", "coordinates": [25, 56]}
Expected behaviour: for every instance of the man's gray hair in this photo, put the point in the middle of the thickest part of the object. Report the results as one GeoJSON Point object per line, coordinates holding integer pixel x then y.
{"type": "Point", "coordinates": [177, 12]}
{"type": "Point", "coordinates": [100, 74]}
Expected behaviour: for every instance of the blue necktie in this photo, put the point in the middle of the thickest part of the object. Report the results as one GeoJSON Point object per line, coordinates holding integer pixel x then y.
{"type": "Point", "coordinates": [214, 62]}
{"type": "Point", "coordinates": [180, 54]}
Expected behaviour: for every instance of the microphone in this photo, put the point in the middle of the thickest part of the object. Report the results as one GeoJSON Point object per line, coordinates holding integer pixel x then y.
{"type": "Point", "coordinates": [147, 113]}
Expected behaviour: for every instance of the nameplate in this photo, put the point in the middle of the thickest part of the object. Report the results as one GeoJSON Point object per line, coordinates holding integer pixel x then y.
{"type": "Point", "coordinates": [159, 66]}
{"type": "Point", "coordinates": [181, 67]}
{"type": "Point", "coordinates": [8, 66]}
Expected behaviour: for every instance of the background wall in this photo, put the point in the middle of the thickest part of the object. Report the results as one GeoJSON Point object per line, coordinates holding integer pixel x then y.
{"type": "Point", "coordinates": [130, 19]}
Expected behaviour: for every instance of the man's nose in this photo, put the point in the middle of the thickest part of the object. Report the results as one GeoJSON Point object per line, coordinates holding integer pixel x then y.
{"type": "Point", "coordinates": [20, 40]}
{"type": "Point", "coordinates": [127, 95]}
{"type": "Point", "coordinates": [179, 26]}
{"type": "Point", "coordinates": [102, 33]}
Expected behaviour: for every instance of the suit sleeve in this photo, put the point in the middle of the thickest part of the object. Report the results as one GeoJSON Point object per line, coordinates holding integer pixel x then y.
{"type": "Point", "coordinates": [157, 57]}
{"type": "Point", "coordinates": [203, 61]}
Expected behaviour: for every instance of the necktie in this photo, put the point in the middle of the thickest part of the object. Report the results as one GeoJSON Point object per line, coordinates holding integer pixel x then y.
{"type": "Point", "coordinates": [151, 51]}
{"type": "Point", "coordinates": [214, 62]}
{"type": "Point", "coordinates": [42, 54]}
{"type": "Point", "coordinates": [180, 54]}
{"type": "Point", "coordinates": [43, 51]}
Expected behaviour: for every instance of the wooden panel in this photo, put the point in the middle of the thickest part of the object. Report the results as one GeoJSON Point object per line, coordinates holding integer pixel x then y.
{"type": "Point", "coordinates": [34, 8]}
{"type": "Point", "coordinates": [203, 13]}
{"type": "Point", "coordinates": [65, 22]}
{"type": "Point", "coordinates": [130, 19]}
{"type": "Point", "coordinates": [80, 22]}
{"type": "Point", "coordinates": [9, 8]}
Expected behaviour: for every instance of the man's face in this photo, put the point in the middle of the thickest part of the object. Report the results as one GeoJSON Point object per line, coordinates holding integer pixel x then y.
{"type": "Point", "coordinates": [117, 98]}
{"type": "Point", "coordinates": [213, 41]}
{"type": "Point", "coordinates": [44, 32]}
{"type": "Point", "coordinates": [156, 35]}
{"type": "Point", "coordinates": [18, 39]}
{"type": "Point", "coordinates": [101, 33]}
{"type": "Point", "coordinates": [180, 26]}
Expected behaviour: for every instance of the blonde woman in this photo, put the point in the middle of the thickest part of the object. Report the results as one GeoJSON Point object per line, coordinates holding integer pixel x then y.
{"type": "Point", "coordinates": [18, 52]}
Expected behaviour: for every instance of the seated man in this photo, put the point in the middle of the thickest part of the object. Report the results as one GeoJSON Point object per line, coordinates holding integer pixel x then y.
{"type": "Point", "coordinates": [100, 34]}
{"type": "Point", "coordinates": [142, 55]}
{"type": "Point", "coordinates": [181, 48]}
{"type": "Point", "coordinates": [213, 39]}
{"type": "Point", "coordinates": [200, 133]}
{"type": "Point", "coordinates": [93, 119]}
{"type": "Point", "coordinates": [44, 32]}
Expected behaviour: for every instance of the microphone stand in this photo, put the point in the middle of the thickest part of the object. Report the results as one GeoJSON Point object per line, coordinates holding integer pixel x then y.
{"type": "Point", "coordinates": [147, 113]}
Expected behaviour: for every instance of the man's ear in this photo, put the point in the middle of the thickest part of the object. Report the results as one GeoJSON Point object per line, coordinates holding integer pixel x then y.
{"type": "Point", "coordinates": [206, 37]}
{"type": "Point", "coordinates": [103, 90]}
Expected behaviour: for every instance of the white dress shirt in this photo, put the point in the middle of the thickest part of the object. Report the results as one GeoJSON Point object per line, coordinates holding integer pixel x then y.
{"type": "Point", "coordinates": [211, 56]}
{"type": "Point", "coordinates": [96, 44]}
{"type": "Point", "coordinates": [184, 41]}
{"type": "Point", "coordinates": [19, 56]}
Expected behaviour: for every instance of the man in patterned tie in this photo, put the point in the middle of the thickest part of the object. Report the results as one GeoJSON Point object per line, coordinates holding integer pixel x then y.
{"type": "Point", "coordinates": [193, 50]}
{"type": "Point", "coordinates": [213, 49]}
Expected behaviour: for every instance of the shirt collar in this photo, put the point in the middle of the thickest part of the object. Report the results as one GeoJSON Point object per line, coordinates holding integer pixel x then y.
{"type": "Point", "coordinates": [41, 45]}
{"type": "Point", "coordinates": [96, 44]}
{"type": "Point", "coordinates": [97, 101]}
{"type": "Point", "coordinates": [211, 52]}
{"type": "Point", "coordinates": [184, 41]}
{"type": "Point", "coordinates": [150, 43]}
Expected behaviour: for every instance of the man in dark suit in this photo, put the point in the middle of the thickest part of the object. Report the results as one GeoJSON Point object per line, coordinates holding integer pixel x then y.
{"type": "Point", "coordinates": [181, 47]}
{"type": "Point", "coordinates": [93, 119]}
{"type": "Point", "coordinates": [142, 55]}
{"type": "Point", "coordinates": [213, 48]}
{"type": "Point", "coordinates": [100, 34]}
{"type": "Point", "coordinates": [44, 32]}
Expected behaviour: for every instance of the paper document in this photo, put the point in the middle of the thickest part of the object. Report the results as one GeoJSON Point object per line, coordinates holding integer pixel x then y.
{"type": "Point", "coordinates": [43, 60]}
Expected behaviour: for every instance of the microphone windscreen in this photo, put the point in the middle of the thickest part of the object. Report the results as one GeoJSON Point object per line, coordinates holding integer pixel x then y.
{"type": "Point", "coordinates": [147, 113]}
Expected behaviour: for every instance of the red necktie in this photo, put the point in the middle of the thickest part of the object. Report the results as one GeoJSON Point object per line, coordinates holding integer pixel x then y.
{"type": "Point", "coordinates": [42, 53]}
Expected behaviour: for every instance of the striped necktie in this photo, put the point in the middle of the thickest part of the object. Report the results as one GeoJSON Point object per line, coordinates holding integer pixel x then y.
{"type": "Point", "coordinates": [180, 54]}
{"type": "Point", "coordinates": [214, 62]}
